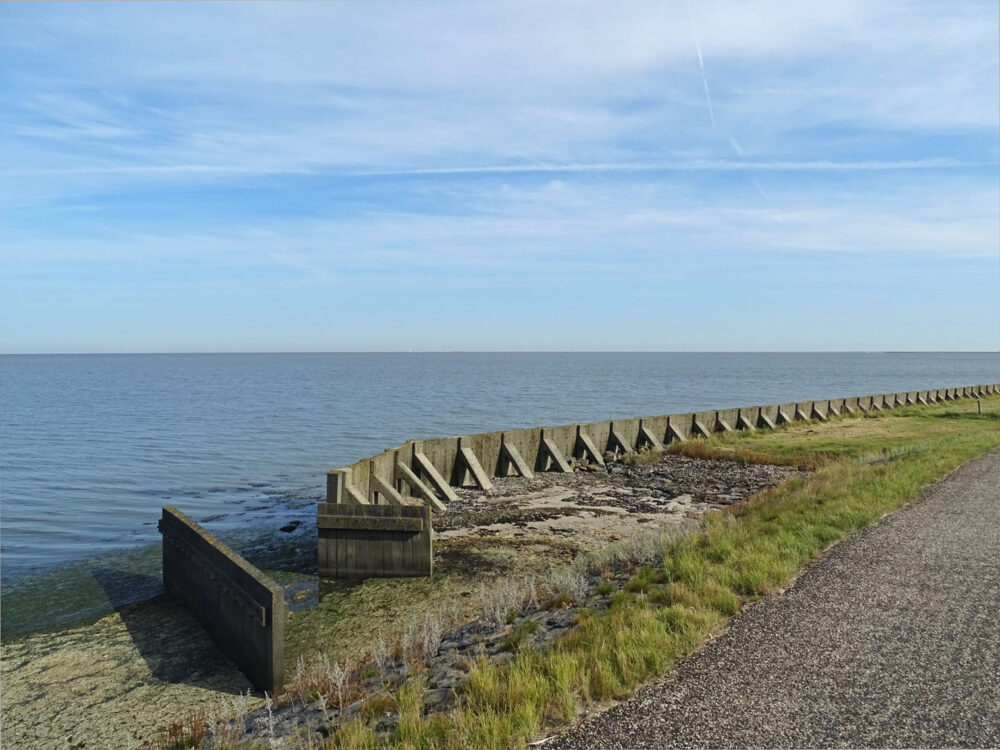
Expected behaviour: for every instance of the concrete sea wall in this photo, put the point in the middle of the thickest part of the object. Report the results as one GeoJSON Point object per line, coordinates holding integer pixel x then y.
{"type": "Point", "coordinates": [423, 472]}
{"type": "Point", "coordinates": [243, 610]}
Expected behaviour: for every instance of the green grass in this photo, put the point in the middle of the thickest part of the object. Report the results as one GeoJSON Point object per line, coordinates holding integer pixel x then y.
{"type": "Point", "coordinates": [864, 468]}
{"type": "Point", "coordinates": [519, 636]}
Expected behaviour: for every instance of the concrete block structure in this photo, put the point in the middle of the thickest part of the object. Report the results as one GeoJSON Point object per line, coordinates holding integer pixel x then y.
{"type": "Point", "coordinates": [374, 541]}
{"type": "Point", "coordinates": [242, 609]}
{"type": "Point", "coordinates": [418, 477]}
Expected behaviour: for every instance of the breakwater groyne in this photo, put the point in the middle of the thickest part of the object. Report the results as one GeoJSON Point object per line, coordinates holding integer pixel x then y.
{"type": "Point", "coordinates": [425, 472]}
{"type": "Point", "coordinates": [377, 517]}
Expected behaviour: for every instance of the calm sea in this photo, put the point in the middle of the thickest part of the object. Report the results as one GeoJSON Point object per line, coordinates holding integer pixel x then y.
{"type": "Point", "coordinates": [92, 445]}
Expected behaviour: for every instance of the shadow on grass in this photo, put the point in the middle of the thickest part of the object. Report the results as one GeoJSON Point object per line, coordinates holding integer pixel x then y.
{"type": "Point", "coordinates": [990, 416]}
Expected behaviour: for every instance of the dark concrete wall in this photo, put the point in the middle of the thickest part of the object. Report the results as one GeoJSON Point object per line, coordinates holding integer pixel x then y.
{"type": "Point", "coordinates": [243, 610]}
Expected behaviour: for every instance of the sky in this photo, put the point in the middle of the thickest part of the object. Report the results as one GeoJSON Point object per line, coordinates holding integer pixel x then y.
{"type": "Point", "coordinates": [699, 176]}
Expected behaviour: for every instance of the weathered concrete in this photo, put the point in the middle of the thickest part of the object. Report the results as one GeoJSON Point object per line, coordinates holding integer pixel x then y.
{"type": "Point", "coordinates": [618, 442]}
{"type": "Point", "coordinates": [550, 455]}
{"type": "Point", "coordinates": [426, 471]}
{"type": "Point", "coordinates": [242, 609]}
{"type": "Point", "coordinates": [511, 456]}
{"type": "Point", "coordinates": [373, 541]}
{"type": "Point", "coordinates": [697, 428]}
{"type": "Point", "coordinates": [585, 447]}
{"type": "Point", "coordinates": [471, 466]}
{"type": "Point", "coordinates": [748, 419]}
{"type": "Point", "coordinates": [648, 437]}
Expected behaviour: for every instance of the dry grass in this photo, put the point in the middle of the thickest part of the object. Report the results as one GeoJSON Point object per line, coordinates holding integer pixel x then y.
{"type": "Point", "coordinates": [646, 457]}
{"type": "Point", "coordinates": [715, 451]}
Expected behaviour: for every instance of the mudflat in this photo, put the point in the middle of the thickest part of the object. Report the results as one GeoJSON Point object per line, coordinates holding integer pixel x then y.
{"type": "Point", "coordinates": [114, 682]}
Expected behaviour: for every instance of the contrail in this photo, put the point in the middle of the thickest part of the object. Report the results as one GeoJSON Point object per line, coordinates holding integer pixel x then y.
{"type": "Point", "coordinates": [775, 213]}
{"type": "Point", "coordinates": [701, 64]}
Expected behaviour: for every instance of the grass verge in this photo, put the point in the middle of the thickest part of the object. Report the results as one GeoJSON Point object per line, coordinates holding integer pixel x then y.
{"type": "Point", "coordinates": [864, 468]}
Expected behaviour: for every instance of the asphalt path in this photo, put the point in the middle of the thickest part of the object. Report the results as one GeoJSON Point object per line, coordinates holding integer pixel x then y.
{"type": "Point", "coordinates": [891, 639]}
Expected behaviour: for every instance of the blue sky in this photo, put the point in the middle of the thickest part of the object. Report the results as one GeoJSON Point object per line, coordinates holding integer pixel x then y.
{"type": "Point", "coordinates": [444, 175]}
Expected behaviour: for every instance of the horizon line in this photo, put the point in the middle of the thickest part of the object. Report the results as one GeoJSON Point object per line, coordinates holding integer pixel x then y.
{"type": "Point", "coordinates": [498, 351]}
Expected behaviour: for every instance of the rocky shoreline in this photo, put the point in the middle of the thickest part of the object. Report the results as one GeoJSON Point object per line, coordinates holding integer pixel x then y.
{"type": "Point", "coordinates": [123, 680]}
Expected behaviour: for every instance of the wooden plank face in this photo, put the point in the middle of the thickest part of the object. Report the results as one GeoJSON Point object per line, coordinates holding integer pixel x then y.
{"type": "Point", "coordinates": [370, 523]}
{"type": "Point", "coordinates": [375, 541]}
{"type": "Point", "coordinates": [242, 609]}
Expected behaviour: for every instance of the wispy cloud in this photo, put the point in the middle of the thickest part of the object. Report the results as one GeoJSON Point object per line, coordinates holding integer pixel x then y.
{"type": "Point", "coordinates": [694, 165]}
{"type": "Point", "coordinates": [422, 147]}
{"type": "Point", "coordinates": [701, 64]}
{"type": "Point", "coordinates": [155, 169]}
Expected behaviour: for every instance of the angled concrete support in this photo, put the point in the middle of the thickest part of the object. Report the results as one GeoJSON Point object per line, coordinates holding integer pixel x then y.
{"type": "Point", "coordinates": [674, 434]}
{"type": "Point", "coordinates": [646, 436]}
{"type": "Point", "coordinates": [586, 445]}
{"type": "Point", "coordinates": [833, 409]}
{"type": "Point", "coordinates": [340, 490]}
{"type": "Point", "coordinates": [800, 416]}
{"type": "Point", "coordinates": [354, 494]}
{"type": "Point", "coordinates": [722, 425]}
{"type": "Point", "coordinates": [472, 465]}
{"type": "Point", "coordinates": [382, 489]}
{"type": "Point", "coordinates": [848, 409]}
{"type": "Point", "coordinates": [425, 466]}
{"type": "Point", "coordinates": [548, 452]}
{"type": "Point", "coordinates": [745, 424]}
{"type": "Point", "coordinates": [620, 443]}
{"type": "Point", "coordinates": [405, 474]}
{"type": "Point", "coordinates": [700, 429]}
{"type": "Point", "coordinates": [511, 456]}
{"type": "Point", "coordinates": [765, 421]}
{"type": "Point", "coordinates": [817, 414]}
{"type": "Point", "coordinates": [782, 417]}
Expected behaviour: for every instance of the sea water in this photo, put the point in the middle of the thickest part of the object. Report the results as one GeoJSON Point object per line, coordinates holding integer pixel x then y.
{"type": "Point", "coordinates": [91, 446]}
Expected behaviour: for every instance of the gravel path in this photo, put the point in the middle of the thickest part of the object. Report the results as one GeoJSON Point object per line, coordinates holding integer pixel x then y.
{"type": "Point", "coordinates": [890, 640]}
